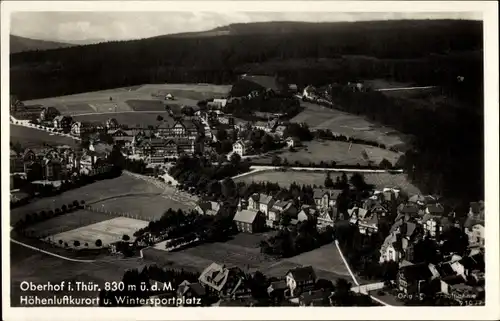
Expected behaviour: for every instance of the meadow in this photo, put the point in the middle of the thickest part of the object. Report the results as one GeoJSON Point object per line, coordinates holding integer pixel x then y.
{"type": "Point", "coordinates": [35, 138]}
{"type": "Point", "coordinates": [342, 153]}
{"type": "Point", "coordinates": [138, 98]}
{"type": "Point", "coordinates": [66, 222]}
{"type": "Point", "coordinates": [379, 180]}
{"type": "Point", "coordinates": [132, 119]}
{"type": "Point", "coordinates": [94, 192]}
{"type": "Point", "coordinates": [145, 207]}
{"type": "Point", "coordinates": [319, 117]}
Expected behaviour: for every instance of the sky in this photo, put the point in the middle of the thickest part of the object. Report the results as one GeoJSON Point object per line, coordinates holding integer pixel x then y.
{"type": "Point", "coordinates": [106, 26]}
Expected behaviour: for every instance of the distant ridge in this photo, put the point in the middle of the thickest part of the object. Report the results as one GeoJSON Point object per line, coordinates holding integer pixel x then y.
{"type": "Point", "coordinates": [21, 44]}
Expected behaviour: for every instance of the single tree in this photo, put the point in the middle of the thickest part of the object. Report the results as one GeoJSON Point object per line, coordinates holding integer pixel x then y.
{"type": "Point", "coordinates": [76, 243]}
{"type": "Point", "coordinates": [385, 164]}
{"type": "Point", "coordinates": [328, 180]}
{"type": "Point", "coordinates": [125, 238]}
{"type": "Point", "coordinates": [98, 243]}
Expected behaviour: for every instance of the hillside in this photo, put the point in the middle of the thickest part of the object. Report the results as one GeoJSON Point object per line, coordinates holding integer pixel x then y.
{"type": "Point", "coordinates": [21, 44]}
{"type": "Point", "coordinates": [447, 154]}
{"type": "Point", "coordinates": [405, 50]}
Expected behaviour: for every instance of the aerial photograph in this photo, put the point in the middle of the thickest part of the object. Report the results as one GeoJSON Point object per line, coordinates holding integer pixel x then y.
{"type": "Point", "coordinates": [246, 159]}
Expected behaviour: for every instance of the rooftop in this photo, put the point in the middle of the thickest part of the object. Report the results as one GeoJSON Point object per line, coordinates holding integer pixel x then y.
{"type": "Point", "coordinates": [303, 273]}
{"type": "Point", "coordinates": [245, 216]}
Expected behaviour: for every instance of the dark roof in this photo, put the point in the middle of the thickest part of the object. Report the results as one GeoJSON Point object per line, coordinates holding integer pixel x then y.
{"type": "Point", "coordinates": [409, 209]}
{"type": "Point", "coordinates": [303, 273]}
{"type": "Point", "coordinates": [470, 222]}
{"type": "Point", "coordinates": [315, 297]}
{"type": "Point", "coordinates": [197, 288]}
{"type": "Point", "coordinates": [435, 209]}
{"type": "Point", "coordinates": [475, 262]}
{"type": "Point", "coordinates": [319, 193]}
{"type": "Point", "coordinates": [445, 270]}
{"type": "Point", "coordinates": [416, 272]}
{"type": "Point", "coordinates": [278, 285]}
{"type": "Point", "coordinates": [453, 279]}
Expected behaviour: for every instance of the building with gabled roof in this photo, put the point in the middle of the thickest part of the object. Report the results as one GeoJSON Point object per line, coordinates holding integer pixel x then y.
{"type": "Point", "coordinates": [300, 279]}
{"type": "Point", "coordinates": [474, 225]}
{"type": "Point", "coordinates": [208, 208]}
{"type": "Point", "coordinates": [249, 221]}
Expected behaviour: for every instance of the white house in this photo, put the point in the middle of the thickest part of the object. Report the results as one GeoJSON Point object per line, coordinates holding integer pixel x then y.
{"type": "Point", "coordinates": [292, 141]}
{"type": "Point", "coordinates": [309, 92]}
{"type": "Point", "coordinates": [240, 148]}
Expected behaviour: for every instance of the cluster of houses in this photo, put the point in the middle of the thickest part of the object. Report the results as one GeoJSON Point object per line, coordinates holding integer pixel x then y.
{"type": "Point", "coordinates": [261, 211]}
{"type": "Point", "coordinates": [417, 217]}
{"type": "Point", "coordinates": [225, 285]}
{"type": "Point", "coordinates": [59, 163]}
{"type": "Point", "coordinates": [459, 278]}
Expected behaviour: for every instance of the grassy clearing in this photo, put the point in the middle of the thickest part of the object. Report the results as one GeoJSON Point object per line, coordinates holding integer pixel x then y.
{"type": "Point", "coordinates": [144, 207]}
{"type": "Point", "coordinates": [136, 98]}
{"type": "Point", "coordinates": [108, 231]}
{"type": "Point", "coordinates": [67, 222]}
{"type": "Point", "coordinates": [318, 117]}
{"type": "Point", "coordinates": [124, 184]}
{"type": "Point", "coordinates": [328, 151]}
{"type": "Point", "coordinates": [146, 105]}
{"type": "Point", "coordinates": [380, 180]}
{"type": "Point", "coordinates": [325, 258]}
{"type": "Point", "coordinates": [33, 138]}
{"type": "Point", "coordinates": [131, 119]}
{"type": "Point", "coordinates": [385, 83]}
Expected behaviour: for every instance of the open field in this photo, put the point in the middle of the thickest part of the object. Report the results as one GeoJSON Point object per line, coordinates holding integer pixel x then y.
{"type": "Point", "coordinates": [328, 151]}
{"type": "Point", "coordinates": [108, 231]}
{"type": "Point", "coordinates": [33, 138]}
{"type": "Point", "coordinates": [122, 99]}
{"type": "Point", "coordinates": [145, 207]}
{"type": "Point", "coordinates": [29, 265]}
{"type": "Point", "coordinates": [325, 258]}
{"type": "Point", "coordinates": [319, 117]}
{"type": "Point", "coordinates": [380, 180]}
{"type": "Point", "coordinates": [67, 222]}
{"type": "Point", "coordinates": [146, 105]}
{"type": "Point", "coordinates": [243, 251]}
{"type": "Point", "coordinates": [385, 83]}
{"type": "Point", "coordinates": [132, 119]}
{"type": "Point", "coordinates": [104, 189]}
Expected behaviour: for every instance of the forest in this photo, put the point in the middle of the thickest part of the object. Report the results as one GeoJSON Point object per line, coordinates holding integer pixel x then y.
{"type": "Point", "coordinates": [422, 52]}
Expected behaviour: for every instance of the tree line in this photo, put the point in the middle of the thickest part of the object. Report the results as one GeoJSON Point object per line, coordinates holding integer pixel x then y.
{"type": "Point", "coordinates": [409, 51]}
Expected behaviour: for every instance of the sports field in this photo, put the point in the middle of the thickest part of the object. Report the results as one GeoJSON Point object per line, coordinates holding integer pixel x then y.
{"type": "Point", "coordinates": [379, 180]}
{"type": "Point", "coordinates": [108, 231]}
{"type": "Point", "coordinates": [319, 117]}
{"type": "Point", "coordinates": [342, 153]}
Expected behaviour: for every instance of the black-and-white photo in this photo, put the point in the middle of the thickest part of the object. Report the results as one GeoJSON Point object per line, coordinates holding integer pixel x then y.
{"type": "Point", "coordinates": [246, 159]}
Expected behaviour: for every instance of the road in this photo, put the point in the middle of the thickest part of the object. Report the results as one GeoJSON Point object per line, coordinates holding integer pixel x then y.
{"type": "Point", "coordinates": [405, 88]}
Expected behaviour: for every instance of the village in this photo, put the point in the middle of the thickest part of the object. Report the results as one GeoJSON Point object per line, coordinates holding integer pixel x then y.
{"type": "Point", "coordinates": [424, 250]}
